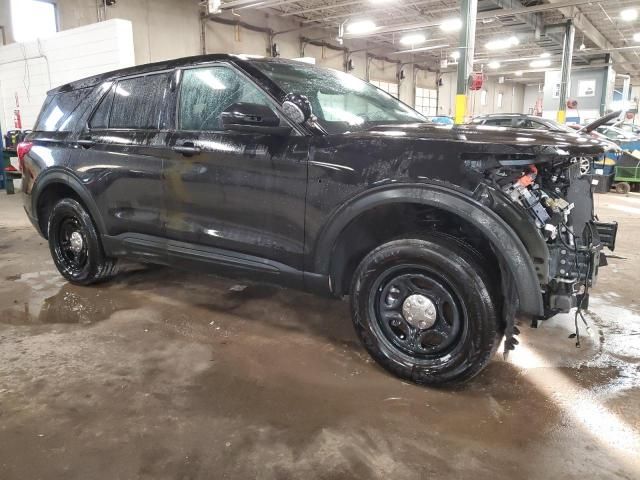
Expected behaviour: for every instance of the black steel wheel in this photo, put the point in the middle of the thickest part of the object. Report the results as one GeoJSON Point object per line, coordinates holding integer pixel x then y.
{"type": "Point", "coordinates": [75, 245]}
{"type": "Point", "coordinates": [424, 310]}
{"type": "Point", "coordinates": [417, 311]}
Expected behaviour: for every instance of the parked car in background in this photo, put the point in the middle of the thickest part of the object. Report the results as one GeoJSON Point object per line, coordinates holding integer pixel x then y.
{"type": "Point", "coordinates": [517, 120]}
{"type": "Point", "coordinates": [285, 172]}
{"type": "Point", "coordinates": [529, 122]}
{"type": "Point", "coordinates": [629, 127]}
{"type": "Point", "coordinates": [617, 134]}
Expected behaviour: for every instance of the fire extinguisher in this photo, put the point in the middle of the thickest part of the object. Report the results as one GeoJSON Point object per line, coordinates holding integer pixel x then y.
{"type": "Point", "coordinates": [17, 120]}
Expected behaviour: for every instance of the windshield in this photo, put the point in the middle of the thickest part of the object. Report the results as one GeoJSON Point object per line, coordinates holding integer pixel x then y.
{"type": "Point", "coordinates": [559, 127]}
{"type": "Point", "coordinates": [341, 102]}
{"type": "Point", "coordinates": [615, 133]}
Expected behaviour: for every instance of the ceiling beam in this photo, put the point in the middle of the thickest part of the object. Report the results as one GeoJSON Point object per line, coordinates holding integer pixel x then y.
{"type": "Point", "coordinates": [583, 24]}
{"type": "Point", "coordinates": [481, 16]}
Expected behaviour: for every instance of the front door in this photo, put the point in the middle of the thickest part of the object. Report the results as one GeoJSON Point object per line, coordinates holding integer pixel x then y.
{"type": "Point", "coordinates": [236, 192]}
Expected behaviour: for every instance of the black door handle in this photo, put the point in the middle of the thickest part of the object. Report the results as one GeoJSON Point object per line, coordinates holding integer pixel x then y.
{"type": "Point", "coordinates": [86, 142]}
{"type": "Point", "coordinates": [187, 148]}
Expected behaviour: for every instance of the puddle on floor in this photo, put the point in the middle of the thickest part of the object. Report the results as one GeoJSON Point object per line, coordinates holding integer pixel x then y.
{"type": "Point", "coordinates": [49, 299]}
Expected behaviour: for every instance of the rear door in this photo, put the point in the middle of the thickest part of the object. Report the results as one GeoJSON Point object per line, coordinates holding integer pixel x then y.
{"type": "Point", "coordinates": [242, 192]}
{"type": "Point", "coordinates": [120, 163]}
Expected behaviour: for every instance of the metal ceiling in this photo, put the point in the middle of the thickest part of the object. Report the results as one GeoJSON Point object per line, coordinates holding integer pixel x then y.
{"type": "Point", "coordinates": [536, 23]}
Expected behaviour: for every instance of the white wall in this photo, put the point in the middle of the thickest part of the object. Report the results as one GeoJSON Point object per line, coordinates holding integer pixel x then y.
{"type": "Point", "coordinates": [162, 29]}
{"type": "Point", "coordinates": [29, 70]}
{"type": "Point", "coordinates": [532, 94]}
{"type": "Point", "coordinates": [512, 97]}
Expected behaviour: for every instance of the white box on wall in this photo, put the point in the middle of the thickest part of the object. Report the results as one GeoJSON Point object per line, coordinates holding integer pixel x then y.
{"type": "Point", "coordinates": [30, 69]}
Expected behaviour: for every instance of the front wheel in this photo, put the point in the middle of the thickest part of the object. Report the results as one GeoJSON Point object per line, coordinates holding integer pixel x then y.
{"type": "Point", "coordinates": [75, 245]}
{"type": "Point", "coordinates": [424, 310]}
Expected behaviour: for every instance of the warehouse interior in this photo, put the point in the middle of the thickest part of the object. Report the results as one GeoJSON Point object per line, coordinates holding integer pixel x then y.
{"type": "Point", "coordinates": [169, 374]}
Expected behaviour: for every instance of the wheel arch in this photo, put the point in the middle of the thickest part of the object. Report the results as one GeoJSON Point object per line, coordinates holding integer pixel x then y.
{"type": "Point", "coordinates": [514, 261]}
{"type": "Point", "coordinates": [55, 184]}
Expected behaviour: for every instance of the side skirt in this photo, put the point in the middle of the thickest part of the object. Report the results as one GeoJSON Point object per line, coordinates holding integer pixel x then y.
{"type": "Point", "coordinates": [194, 257]}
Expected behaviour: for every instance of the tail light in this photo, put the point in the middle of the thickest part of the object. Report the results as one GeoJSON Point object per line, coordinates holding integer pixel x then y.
{"type": "Point", "coordinates": [22, 149]}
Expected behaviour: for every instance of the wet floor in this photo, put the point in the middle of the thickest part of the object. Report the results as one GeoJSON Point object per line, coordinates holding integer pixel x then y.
{"type": "Point", "coordinates": [170, 375]}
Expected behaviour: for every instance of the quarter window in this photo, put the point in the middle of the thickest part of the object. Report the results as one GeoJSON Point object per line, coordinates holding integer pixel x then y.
{"type": "Point", "coordinates": [206, 92]}
{"type": "Point", "coordinates": [61, 110]}
{"type": "Point", "coordinates": [138, 102]}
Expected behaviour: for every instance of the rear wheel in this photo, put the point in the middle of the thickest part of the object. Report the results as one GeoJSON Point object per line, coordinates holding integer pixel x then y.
{"type": "Point", "coordinates": [75, 245]}
{"type": "Point", "coordinates": [423, 309]}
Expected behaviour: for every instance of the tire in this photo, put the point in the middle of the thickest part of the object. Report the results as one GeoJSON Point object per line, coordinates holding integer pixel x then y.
{"type": "Point", "coordinates": [461, 334]}
{"type": "Point", "coordinates": [623, 188]}
{"type": "Point", "coordinates": [75, 245]}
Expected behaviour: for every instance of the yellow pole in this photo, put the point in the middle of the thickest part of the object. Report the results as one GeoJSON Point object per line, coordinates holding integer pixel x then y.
{"type": "Point", "coordinates": [561, 116]}
{"type": "Point", "coordinates": [468, 11]}
{"type": "Point", "coordinates": [461, 109]}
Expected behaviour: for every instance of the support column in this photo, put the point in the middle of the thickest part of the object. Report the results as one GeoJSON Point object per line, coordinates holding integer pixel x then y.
{"type": "Point", "coordinates": [565, 74]}
{"type": "Point", "coordinates": [468, 12]}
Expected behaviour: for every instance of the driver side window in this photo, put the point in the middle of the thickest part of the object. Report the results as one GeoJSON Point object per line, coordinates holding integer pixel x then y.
{"type": "Point", "coordinates": [206, 92]}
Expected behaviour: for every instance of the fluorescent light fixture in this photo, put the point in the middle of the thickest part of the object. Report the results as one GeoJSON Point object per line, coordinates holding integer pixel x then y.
{"type": "Point", "coordinates": [455, 55]}
{"type": "Point", "coordinates": [540, 63]}
{"type": "Point", "coordinates": [629, 14]}
{"type": "Point", "coordinates": [361, 26]}
{"type": "Point", "coordinates": [421, 49]}
{"type": "Point", "coordinates": [545, 55]}
{"type": "Point", "coordinates": [413, 39]}
{"type": "Point", "coordinates": [519, 73]}
{"type": "Point", "coordinates": [502, 43]}
{"type": "Point", "coordinates": [636, 37]}
{"type": "Point", "coordinates": [451, 25]}
{"type": "Point", "coordinates": [495, 65]}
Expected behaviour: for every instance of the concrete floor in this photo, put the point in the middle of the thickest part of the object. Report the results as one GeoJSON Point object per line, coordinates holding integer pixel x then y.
{"type": "Point", "coordinates": [168, 375]}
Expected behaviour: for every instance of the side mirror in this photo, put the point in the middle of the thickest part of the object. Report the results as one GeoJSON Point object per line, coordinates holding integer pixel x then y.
{"type": "Point", "coordinates": [297, 107]}
{"type": "Point", "coordinates": [252, 118]}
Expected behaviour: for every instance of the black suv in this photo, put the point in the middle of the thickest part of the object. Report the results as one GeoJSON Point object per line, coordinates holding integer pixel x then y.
{"type": "Point", "coordinates": [284, 172]}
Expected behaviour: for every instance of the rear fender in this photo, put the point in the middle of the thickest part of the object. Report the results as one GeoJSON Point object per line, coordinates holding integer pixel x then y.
{"type": "Point", "coordinates": [66, 178]}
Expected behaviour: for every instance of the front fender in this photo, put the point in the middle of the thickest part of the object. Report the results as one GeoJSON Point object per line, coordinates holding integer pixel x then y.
{"type": "Point", "coordinates": [508, 247]}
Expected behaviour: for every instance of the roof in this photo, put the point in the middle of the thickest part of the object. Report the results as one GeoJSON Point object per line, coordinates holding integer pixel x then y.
{"type": "Point", "coordinates": [164, 65]}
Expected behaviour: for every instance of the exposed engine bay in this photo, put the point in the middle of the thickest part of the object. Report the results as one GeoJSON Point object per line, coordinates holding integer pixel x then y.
{"type": "Point", "coordinates": [559, 200]}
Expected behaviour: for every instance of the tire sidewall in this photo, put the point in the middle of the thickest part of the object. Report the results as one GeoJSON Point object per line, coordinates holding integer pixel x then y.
{"type": "Point", "coordinates": [476, 341]}
{"type": "Point", "coordinates": [71, 208]}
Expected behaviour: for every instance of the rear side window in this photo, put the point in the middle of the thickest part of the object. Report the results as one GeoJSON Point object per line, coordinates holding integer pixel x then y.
{"type": "Point", "coordinates": [61, 110]}
{"type": "Point", "coordinates": [138, 102]}
{"type": "Point", "coordinates": [499, 122]}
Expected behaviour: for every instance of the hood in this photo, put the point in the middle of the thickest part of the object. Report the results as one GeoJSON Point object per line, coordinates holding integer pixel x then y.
{"type": "Point", "coordinates": [489, 139]}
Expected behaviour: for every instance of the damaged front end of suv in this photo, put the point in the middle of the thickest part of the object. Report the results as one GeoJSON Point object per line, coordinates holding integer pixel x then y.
{"type": "Point", "coordinates": [551, 188]}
